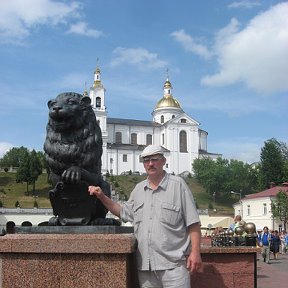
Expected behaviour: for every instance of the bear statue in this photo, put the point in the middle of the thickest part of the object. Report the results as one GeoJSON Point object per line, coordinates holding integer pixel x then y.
{"type": "Point", "coordinates": [73, 149]}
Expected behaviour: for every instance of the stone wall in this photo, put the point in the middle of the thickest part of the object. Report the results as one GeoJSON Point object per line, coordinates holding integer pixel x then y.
{"type": "Point", "coordinates": [106, 261]}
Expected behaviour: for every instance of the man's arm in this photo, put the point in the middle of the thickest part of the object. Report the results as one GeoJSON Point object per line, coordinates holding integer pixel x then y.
{"type": "Point", "coordinates": [112, 206]}
{"type": "Point", "coordinates": [194, 261]}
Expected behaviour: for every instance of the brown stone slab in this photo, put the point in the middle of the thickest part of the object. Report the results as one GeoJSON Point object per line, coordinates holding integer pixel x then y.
{"type": "Point", "coordinates": [67, 243]}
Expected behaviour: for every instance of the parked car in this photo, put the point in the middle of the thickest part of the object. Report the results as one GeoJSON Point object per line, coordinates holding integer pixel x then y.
{"type": "Point", "coordinates": [125, 173]}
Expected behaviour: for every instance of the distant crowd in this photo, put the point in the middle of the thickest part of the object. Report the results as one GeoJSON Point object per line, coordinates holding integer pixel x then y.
{"type": "Point", "coordinates": [272, 242]}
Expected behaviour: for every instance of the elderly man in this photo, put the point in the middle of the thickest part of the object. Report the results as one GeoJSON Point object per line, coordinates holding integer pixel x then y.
{"type": "Point", "coordinates": [166, 224]}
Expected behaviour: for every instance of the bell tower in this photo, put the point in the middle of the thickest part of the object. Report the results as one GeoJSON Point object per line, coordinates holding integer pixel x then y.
{"type": "Point", "coordinates": [97, 96]}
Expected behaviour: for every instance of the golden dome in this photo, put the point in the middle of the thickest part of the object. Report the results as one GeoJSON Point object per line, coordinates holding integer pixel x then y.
{"type": "Point", "coordinates": [168, 101]}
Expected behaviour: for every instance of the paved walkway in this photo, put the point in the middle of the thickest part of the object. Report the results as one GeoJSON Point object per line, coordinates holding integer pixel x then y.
{"type": "Point", "coordinates": [274, 274]}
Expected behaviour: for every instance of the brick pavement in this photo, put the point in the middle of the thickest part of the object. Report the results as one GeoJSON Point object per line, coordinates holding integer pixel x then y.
{"type": "Point", "coordinates": [274, 274]}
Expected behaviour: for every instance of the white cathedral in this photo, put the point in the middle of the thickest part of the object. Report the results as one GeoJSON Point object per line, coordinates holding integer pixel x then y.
{"type": "Point", "coordinates": [124, 139]}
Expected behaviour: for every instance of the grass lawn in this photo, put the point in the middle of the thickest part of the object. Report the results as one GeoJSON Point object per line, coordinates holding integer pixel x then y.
{"type": "Point", "coordinates": [10, 192]}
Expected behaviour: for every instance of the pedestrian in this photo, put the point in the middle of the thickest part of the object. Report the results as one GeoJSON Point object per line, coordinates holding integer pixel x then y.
{"type": "Point", "coordinates": [265, 244]}
{"type": "Point", "coordinates": [259, 235]}
{"type": "Point", "coordinates": [286, 241]}
{"type": "Point", "coordinates": [282, 239]}
{"type": "Point", "coordinates": [166, 224]}
{"type": "Point", "coordinates": [275, 243]}
{"type": "Point", "coordinates": [234, 225]}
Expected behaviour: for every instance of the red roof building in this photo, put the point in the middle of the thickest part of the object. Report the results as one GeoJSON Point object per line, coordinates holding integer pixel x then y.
{"type": "Point", "coordinates": [256, 208]}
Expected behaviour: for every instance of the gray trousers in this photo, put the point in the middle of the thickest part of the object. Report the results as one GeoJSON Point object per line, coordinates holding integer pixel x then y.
{"type": "Point", "coordinates": [178, 277]}
{"type": "Point", "coordinates": [266, 253]}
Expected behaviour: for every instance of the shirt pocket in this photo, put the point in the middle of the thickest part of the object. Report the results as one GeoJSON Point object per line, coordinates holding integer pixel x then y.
{"type": "Point", "coordinates": [170, 214]}
{"type": "Point", "coordinates": [138, 215]}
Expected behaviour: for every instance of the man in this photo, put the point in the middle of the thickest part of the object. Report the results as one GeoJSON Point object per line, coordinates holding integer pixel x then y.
{"type": "Point", "coordinates": [166, 224]}
{"type": "Point", "coordinates": [234, 225]}
{"type": "Point", "coordinates": [265, 244]}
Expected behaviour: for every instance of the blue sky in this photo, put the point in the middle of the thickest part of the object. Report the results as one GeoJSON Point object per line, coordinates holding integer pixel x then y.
{"type": "Point", "coordinates": [227, 62]}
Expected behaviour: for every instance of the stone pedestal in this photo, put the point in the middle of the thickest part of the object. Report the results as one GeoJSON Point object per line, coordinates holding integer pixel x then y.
{"type": "Point", "coordinates": [107, 261]}
{"type": "Point", "coordinates": [227, 267]}
{"type": "Point", "coordinates": [67, 260]}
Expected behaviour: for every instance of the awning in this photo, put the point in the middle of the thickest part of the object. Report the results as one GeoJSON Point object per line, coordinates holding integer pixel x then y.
{"type": "Point", "coordinates": [215, 221]}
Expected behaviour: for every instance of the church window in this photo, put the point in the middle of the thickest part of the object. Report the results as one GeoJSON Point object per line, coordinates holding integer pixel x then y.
{"type": "Point", "coordinates": [118, 137]}
{"type": "Point", "coordinates": [183, 141]}
{"type": "Point", "coordinates": [248, 210]}
{"type": "Point", "coordinates": [134, 138]}
{"type": "Point", "coordinates": [124, 157]}
{"type": "Point", "coordinates": [98, 102]}
{"type": "Point", "coordinates": [183, 120]}
{"type": "Point", "coordinates": [148, 139]}
{"type": "Point", "coordinates": [173, 116]}
{"type": "Point", "coordinates": [163, 142]}
{"type": "Point", "coordinates": [162, 119]}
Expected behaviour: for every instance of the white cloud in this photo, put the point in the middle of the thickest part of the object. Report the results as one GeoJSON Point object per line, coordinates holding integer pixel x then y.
{"type": "Point", "coordinates": [81, 28]}
{"type": "Point", "coordinates": [4, 148]}
{"type": "Point", "coordinates": [257, 55]}
{"type": "Point", "coordinates": [190, 44]}
{"type": "Point", "coordinates": [139, 57]}
{"type": "Point", "coordinates": [244, 4]}
{"type": "Point", "coordinates": [18, 17]}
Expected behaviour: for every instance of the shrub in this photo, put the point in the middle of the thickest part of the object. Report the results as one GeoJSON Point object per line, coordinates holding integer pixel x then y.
{"type": "Point", "coordinates": [35, 204]}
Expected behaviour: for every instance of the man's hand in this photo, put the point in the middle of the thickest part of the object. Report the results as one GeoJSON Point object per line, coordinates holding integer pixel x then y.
{"type": "Point", "coordinates": [194, 262]}
{"type": "Point", "coordinates": [113, 207]}
{"type": "Point", "coordinates": [97, 191]}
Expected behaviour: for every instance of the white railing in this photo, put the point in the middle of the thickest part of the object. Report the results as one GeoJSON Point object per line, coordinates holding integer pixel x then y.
{"type": "Point", "coordinates": [43, 211]}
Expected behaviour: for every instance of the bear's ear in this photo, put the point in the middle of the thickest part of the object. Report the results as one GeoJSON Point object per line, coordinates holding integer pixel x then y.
{"type": "Point", "coordinates": [86, 100]}
{"type": "Point", "coordinates": [50, 102]}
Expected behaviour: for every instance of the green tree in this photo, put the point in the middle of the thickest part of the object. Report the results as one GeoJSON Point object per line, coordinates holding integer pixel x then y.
{"type": "Point", "coordinates": [242, 177]}
{"type": "Point", "coordinates": [279, 207]}
{"type": "Point", "coordinates": [35, 169]}
{"type": "Point", "coordinates": [225, 176]}
{"type": "Point", "coordinates": [13, 157]}
{"type": "Point", "coordinates": [23, 172]}
{"type": "Point", "coordinates": [272, 163]}
{"type": "Point", "coordinates": [204, 171]}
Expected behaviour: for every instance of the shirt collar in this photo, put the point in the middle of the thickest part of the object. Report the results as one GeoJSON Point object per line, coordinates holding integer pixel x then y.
{"type": "Point", "coordinates": [163, 183]}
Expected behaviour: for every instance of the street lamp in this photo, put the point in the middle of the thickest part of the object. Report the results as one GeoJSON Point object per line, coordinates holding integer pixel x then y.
{"type": "Point", "coordinates": [214, 200]}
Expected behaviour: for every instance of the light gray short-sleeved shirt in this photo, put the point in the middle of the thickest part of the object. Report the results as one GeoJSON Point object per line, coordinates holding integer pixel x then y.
{"type": "Point", "coordinates": [160, 218]}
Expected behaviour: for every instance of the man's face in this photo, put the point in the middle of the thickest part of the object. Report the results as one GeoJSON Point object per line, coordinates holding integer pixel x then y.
{"type": "Point", "coordinates": [154, 164]}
